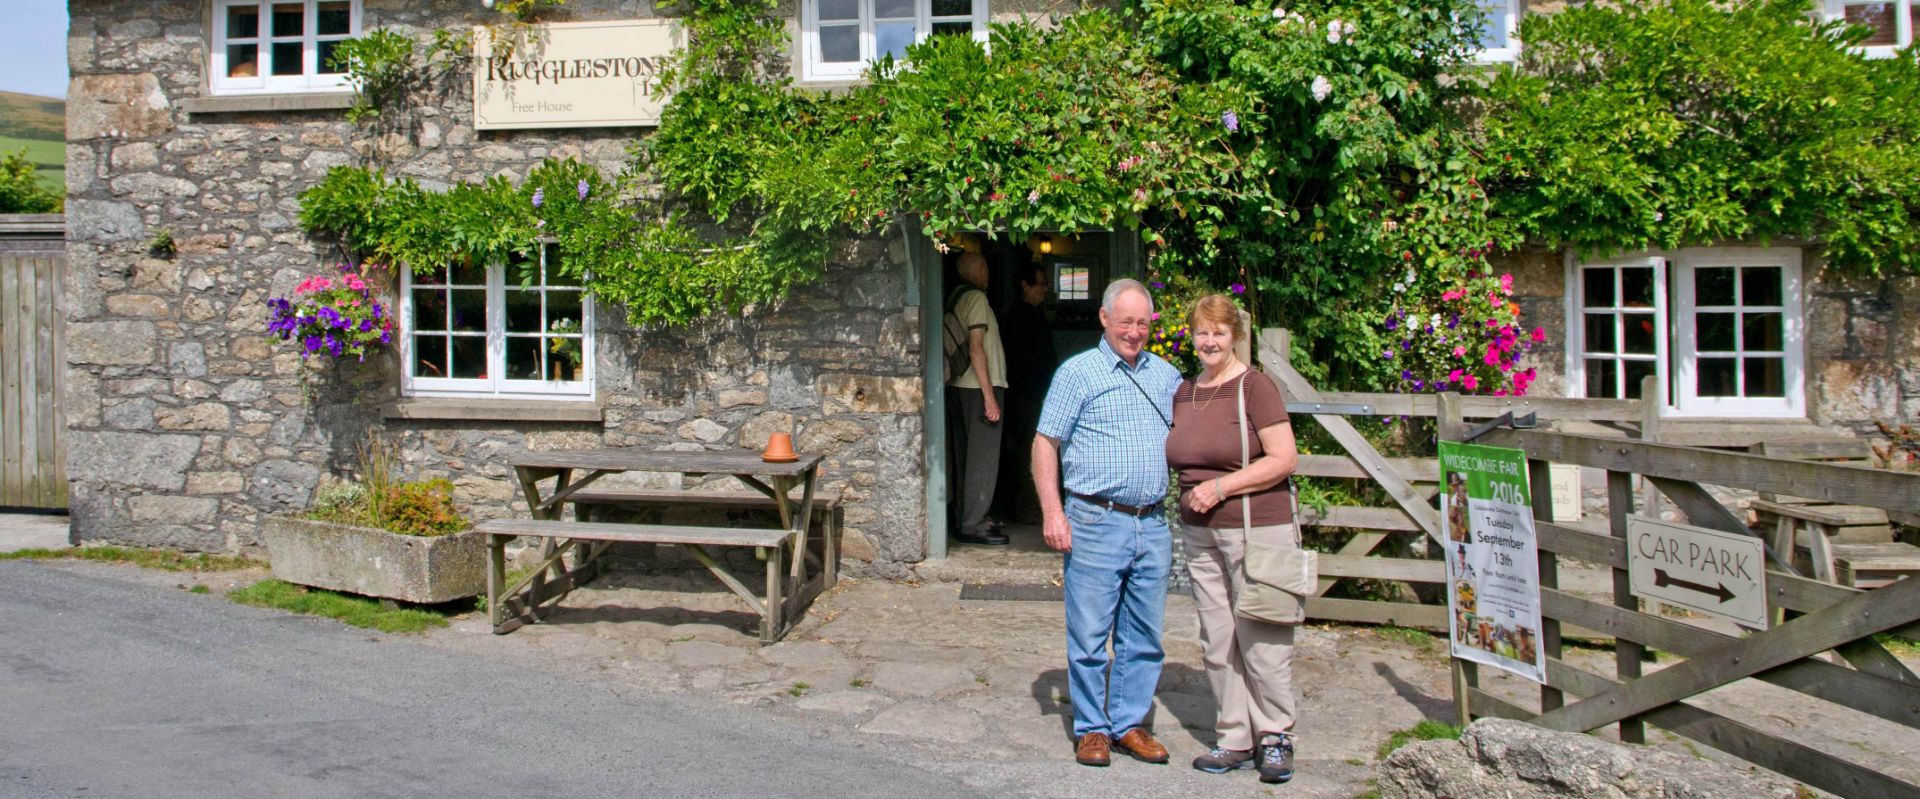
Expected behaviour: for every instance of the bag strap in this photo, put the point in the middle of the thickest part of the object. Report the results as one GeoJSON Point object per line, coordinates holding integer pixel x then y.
{"type": "Point", "coordinates": [1246, 505]}
{"type": "Point", "coordinates": [1149, 398]}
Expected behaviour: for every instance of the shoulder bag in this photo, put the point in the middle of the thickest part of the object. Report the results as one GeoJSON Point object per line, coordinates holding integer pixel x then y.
{"type": "Point", "coordinates": [1277, 573]}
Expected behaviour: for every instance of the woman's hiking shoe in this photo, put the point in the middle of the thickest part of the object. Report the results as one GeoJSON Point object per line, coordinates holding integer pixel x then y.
{"type": "Point", "coordinates": [1276, 761]}
{"type": "Point", "coordinates": [1221, 761]}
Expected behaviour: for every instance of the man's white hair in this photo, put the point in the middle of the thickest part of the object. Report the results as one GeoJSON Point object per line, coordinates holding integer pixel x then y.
{"type": "Point", "coordinates": [1122, 286]}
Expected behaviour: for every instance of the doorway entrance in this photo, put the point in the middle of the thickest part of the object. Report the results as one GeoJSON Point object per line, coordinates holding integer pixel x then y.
{"type": "Point", "coordinates": [1039, 330]}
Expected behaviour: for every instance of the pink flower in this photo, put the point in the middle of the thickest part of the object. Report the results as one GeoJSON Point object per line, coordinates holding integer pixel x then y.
{"type": "Point", "coordinates": [1493, 299]}
{"type": "Point", "coordinates": [1492, 357]}
{"type": "Point", "coordinates": [1470, 382]}
{"type": "Point", "coordinates": [1506, 284]}
{"type": "Point", "coordinates": [1455, 376]}
{"type": "Point", "coordinates": [1459, 352]}
{"type": "Point", "coordinates": [1501, 392]}
{"type": "Point", "coordinates": [1454, 295]}
{"type": "Point", "coordinates": [1539, 334]}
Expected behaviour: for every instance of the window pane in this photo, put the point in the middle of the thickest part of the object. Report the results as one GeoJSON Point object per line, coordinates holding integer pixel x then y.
{"type": "Point", "coordinates": [1637, 371]}
{"type": "Point", "coordinates": [336, 19]}
{"type": "Point", "coordinates": [469, 275]}
{"type": "Point", "coordinates": [952, 8]}
{"type": "Point", "coordinates": [563, 306]}
{"type": "Point", "coordinates": [523, 310]}
{"type": "Point", "coordinates": [469, 310]}
{"type": "Point", "coordinates": [286, 59]}
{"type": "Point", "coordinates": [1762, 331]}
{"type": "Point", "coordinates": [559, 367]}
{"type": "Point", "coordinates": [839, 9]}
{"type": "Point", "coordinates": [1713, 286]}
{"type": "Point", "coordinates": [1716, 378]}
{"type": "Point", "coordinates": [953, 28]}
{"type": "Point", "coordinates": [327, 67]}
{"type": "Point", "coordinates": [523, 358]}
{"type": "Point", "coordinates": [1599, 327]}
{"type": "Point", "coordinates": [1494, 35]}
{"type": "Point", "coordinates": [1879, 17]}
{"type": "Point", "coordinates": [429, 309]}
{"type": "Point", "coordinates": [1636, 287]}
{"type": "Point", "coordinates": [429, 356]}
{"type": "Point", "coordinates": [892, 38]}
{"type": "Point", "coordinates": [1601, 380]}
{"type": "Point", "coordinates": [1760, 285]}
{"type": "Point", "coordinates": [469, 357]}
{"type": "Point", "coordinates": [1766, 377]}
{"type": "Point", "coordinates": [243, 22]}
{"type": "Point", "coordinates": [1636, 333]}
{"type": "Point", "coordinates": [839, 43]}
{"type": "Point", "coordinates": [523, 273]}
{"type": "Point", "coordinates": [892, 9]}
{"type": "Point", "coordinates": [434, 278]}
{"type": "Point", "coordinates": [1599, 293]}
{"type": "Point", "coordinates": [243, 61]}
{"type": "Point", "coordinates": [1715, 331]}
{"type": "Point", "coordinates": [289, 19]}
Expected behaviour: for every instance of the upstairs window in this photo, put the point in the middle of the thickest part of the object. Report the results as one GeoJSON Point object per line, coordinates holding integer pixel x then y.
{"type": "Point", "coordinates": [839, 38]}
{"type": "Point", "coordinates": [501, 330]}
{"type": "Point", "coordinates": [1892, 22]}
{"type": "Point", "coordinates": [1500, 24]}
{"type": "Point", "coordinates": [280, 46]}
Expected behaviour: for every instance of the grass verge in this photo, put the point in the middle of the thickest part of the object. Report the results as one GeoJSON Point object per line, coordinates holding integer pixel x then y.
{"type": "Point", "coordinates": [1426, 730]}
{"type": "Point", "coordinates": [354, 610]}
{"type": "Point", "coordinates": [165, 560]}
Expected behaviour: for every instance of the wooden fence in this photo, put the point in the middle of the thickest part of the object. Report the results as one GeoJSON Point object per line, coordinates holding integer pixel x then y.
{"type": "Point", "coordinates": [1410, 482]}
{"type": "Point", "coordinates": [1812, 617]}
{"type": "Point", "coordinates": [33, 466]}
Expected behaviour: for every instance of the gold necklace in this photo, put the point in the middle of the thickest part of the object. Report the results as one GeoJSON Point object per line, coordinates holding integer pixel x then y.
{"type": "Point", "coordinates": [1201, 406]}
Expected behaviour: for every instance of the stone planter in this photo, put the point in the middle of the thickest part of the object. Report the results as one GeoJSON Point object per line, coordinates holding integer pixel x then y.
{"type": "Point", "coordinates": [373, 562]}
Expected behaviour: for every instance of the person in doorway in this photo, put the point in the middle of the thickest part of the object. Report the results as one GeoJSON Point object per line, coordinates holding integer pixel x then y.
{"type": "Point", "coordinates": [1030, 365]}
{"type": "Point", "coordinates": [979, 393]}
{"type": "Point", "coordinates": [1229, 494]}
{"type": "Point", "coordinates": [1102, 437]}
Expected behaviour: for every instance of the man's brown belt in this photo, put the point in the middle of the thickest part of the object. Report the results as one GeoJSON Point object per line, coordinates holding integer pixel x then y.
{"type": "Point", "coordinates": [1136, 511]}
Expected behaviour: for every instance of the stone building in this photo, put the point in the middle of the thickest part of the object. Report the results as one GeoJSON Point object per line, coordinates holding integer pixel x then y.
{"type": "Point", "coordinates": [207, 118]}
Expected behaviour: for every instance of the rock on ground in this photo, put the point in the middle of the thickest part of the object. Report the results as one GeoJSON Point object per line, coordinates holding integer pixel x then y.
{"type": "Point", "coordinates": [1516, 760]}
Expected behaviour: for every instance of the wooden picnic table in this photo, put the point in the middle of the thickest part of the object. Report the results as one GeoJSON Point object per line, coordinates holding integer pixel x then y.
{"type": "Point", "coordinates": [795, 571]}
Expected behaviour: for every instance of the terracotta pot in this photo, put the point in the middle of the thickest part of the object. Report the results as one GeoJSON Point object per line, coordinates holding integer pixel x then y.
{"type": "Point", "coordinates": [779, 448]}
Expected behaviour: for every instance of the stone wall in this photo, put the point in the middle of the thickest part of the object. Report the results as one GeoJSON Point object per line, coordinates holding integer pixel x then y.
{"type": "Point", "coordinates": [188, 424]}
{"type": "Point", "coordinates": [1862, 341]}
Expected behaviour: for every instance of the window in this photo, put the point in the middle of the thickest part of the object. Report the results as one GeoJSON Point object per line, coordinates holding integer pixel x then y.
{"type": "Point", "coordinates": [839, 38]}
{"type": "Point", "coordinates": [1071, 282]}
{"type": "Point", "coordinates": [1892, 22]}
{"type": "Point", "coordinates": [1500, 22]}
{"type": "Point", "coordinates": [1729, 344]}
{"type": "Point", "coordinates": [285, 46]}
{"type": "Point", "coordinates": [512, 330]}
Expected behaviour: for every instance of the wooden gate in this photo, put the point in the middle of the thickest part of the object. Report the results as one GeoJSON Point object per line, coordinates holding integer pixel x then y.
{"type": "Point", "coordinates": [1810, 617]}
{"type": "Point", "coordinates": [33, 465]}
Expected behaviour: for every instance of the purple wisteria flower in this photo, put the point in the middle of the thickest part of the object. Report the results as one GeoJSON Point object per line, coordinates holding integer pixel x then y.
{"type": "Point", "coordinates": [582, 188]}
{"type": "Point", "coordinates": [539, 197]}
{"type": "Point", "coordinates": [1231, 121]}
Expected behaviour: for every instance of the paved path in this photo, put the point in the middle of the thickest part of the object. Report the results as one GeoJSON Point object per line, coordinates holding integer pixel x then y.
{"type": "Point", "coordinates": [32, 531]}
{"type": "Point", "coordinates": [113, 688]}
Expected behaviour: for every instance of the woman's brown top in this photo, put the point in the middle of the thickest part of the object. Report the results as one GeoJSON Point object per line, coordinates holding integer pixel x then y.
{"type": "Point", "coordinates": [1203, 446]}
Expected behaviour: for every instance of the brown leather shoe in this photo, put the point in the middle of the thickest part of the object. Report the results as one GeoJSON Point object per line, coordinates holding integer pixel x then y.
{"type": "Point", "coordinates": [1093, 749]}
{"type": "Point", "coordinates": [1140, 744]}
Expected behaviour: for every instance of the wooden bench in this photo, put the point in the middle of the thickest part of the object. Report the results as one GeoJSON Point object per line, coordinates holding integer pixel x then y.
{"type": "Point", "coordinates": [828, 512]}
{"type": "Point", "coordinates": [1843, 544]}
{"type": "Point", "coordinates": [785, 596]}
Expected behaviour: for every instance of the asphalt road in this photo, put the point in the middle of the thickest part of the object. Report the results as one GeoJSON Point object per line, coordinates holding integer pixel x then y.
{"type": "Point", "coordinates": [110, 688]}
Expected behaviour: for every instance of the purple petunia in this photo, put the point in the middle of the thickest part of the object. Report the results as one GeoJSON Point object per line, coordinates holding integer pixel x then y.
{"type": "Point", "coordinates": [1406, 374]}
{"type": "Point", "coordinates": [1237, 288]}
{"type": "Point", "coordinates": [1393, 322]}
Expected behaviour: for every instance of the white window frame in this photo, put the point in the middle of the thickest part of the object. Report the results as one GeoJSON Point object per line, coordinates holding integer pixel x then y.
{"type": "Point", "coordinates": [1793, 369]}
{"type": "Point", "coordinates": [495, 385]}
{"type": "Point", "coordinates": [1677, 348]}
{"type": "Point", "coordinates": [1576, 314]}
{"type": "Point", "coordinates": [1902, 26]}
{"type": "Point", "coordinates": [813, 69]}
{"type": "Point", "coordinates": [310, 78]}
{"type": "Point", "coordinates": [1501, 55]}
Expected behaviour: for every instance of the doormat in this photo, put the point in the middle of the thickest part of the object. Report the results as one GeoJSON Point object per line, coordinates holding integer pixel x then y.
{"type": "Point", "coordinates": [1012, 593]}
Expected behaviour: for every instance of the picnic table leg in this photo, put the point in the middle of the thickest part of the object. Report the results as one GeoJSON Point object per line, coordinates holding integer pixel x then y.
{"type": "Point", "coordinates": [770, 622]}
{"type": "Point", "coordinates": [1822, 549]}
{"type": "Point", "coordinates": [830, 546]}
{"type": "Point", "coordinates": [496, 578]}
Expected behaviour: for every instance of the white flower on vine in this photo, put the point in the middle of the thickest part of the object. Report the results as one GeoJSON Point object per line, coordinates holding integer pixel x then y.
{"type": "Point", "coordinates": [1337, 30]}
{"type": "Point", "coordinates": [1321, 88]}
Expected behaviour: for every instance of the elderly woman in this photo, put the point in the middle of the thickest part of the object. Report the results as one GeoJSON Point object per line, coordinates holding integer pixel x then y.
{"type": "Point", "coordinates": [1224, 501]}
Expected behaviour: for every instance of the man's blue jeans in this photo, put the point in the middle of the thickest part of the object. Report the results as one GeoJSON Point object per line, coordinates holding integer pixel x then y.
{"type": "Point", "coordinates": [1116, 584]}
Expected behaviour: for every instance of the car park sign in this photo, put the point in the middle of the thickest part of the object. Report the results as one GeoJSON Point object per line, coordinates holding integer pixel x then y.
{"type": "Point", "coordinates": [1719, 574]}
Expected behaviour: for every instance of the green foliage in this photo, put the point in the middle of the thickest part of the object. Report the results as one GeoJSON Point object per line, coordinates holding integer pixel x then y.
{"type": "Point", "coordinates": [1426, 730]}
{"type": "Point", "coordinates": [385, 68]}
{"type": "Point", "coordinates": [161, 244]}
{"type": "Point", "coordinates": [355, 610]}
{"type": "Point", "coordinates": [1685, 122]}
{"type": "Point", "coordinates": [20, 189]}
{"type": "Point", "coordinates": [422, 508]}
{"type": "Point", "coordinates": [162, 559]}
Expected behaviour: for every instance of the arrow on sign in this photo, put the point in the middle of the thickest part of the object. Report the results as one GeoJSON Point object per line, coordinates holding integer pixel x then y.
{"type": "Point", "coordinates": [1721, 590]}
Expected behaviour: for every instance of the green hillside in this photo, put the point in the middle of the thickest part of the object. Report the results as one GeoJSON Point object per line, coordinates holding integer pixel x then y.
{"type": "Point", "coordinates": [39, 125]}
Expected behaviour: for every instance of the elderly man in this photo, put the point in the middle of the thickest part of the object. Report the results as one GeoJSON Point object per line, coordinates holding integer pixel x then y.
{"type": "Point", "coordinates": [1105, 426]}
{"type": "Point", "coordinates": [978, 393]}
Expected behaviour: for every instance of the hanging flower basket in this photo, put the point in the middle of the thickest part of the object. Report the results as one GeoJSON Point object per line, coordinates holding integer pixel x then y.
{"type": "Point", "coordinates": [333, 317]}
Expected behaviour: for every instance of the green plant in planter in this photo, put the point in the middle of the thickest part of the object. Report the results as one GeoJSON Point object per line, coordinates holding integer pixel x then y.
{"type": "Point", "coordinates": [423, 507]}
